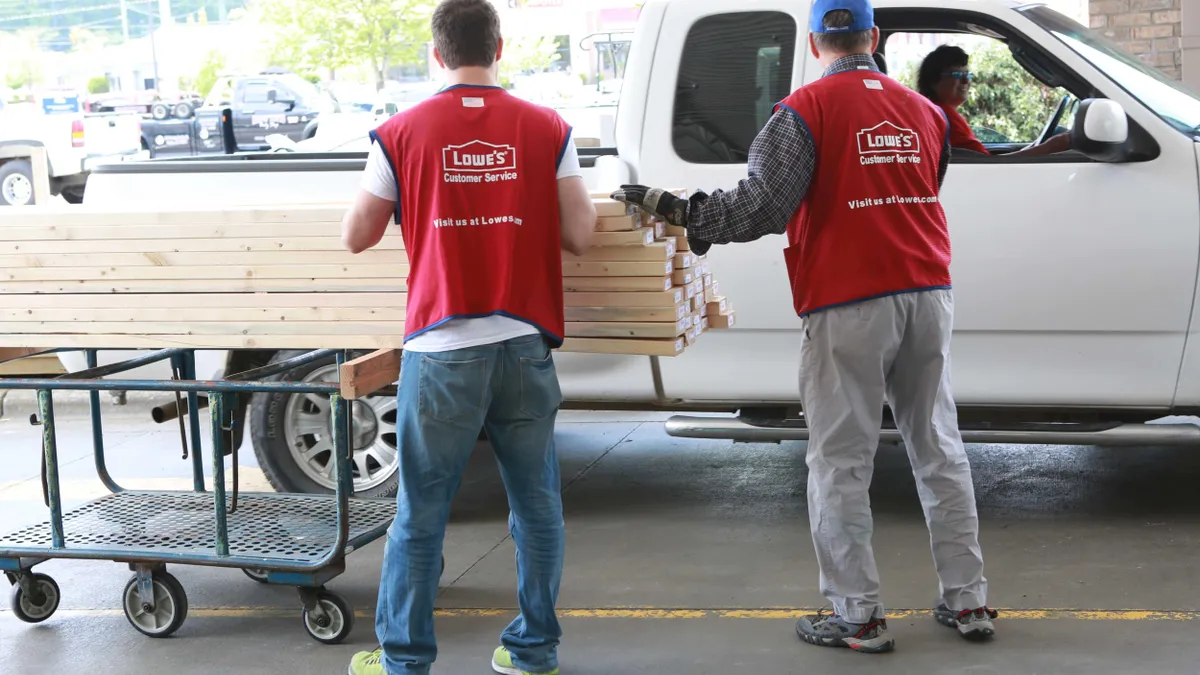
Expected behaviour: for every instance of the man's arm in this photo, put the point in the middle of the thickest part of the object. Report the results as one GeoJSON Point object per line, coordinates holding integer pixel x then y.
{"type": "Point", "coordinates": [365, 223]}
{"type": "Point", "coordinates": [576, 213]}
{"type": "Point", "coordinates": [779, 170]}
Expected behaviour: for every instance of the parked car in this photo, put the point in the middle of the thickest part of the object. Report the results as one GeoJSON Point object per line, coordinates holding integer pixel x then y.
{"type": "Point", "coordinates": [75, 142]}
{"type": "Point", "coordinates": [1075, 274]}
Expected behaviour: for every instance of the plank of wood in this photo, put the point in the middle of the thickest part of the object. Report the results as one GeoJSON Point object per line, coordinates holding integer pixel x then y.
{"type": "Point", "coordinates": [667, 298]}
{"type": "Point", "coordinates": [640, 237]}
{"type": "Point", "coordinates": [683, 277]}
{"type": "Point", "coordinates": [134, 214]}
{"type": "Point", "coordinates": [698, 284]}
{"type": "Point", "coordinates": [208, 328]}
{"type": "Point", "coordinates": [725, 320]}
{"type": "Point", "coordinates": [689, 290]}
{"type": "Point", "coordinates": [627, 329]}
{"type": "Point", "coordinates": [617, 269]}
{"type": "Point", "coordinates": [718, 305]}
{"type": "Point", "coordinates": [606, 207]}
{"type": "Point", "coordinates": [391, 242]}
{"type": "Point", "coordinates": [666, 314]}
{"type": "Point", "coordinates": [708, 280]}
{"type": "Point", "coordinates": [379, 272]}
{"type": "Point", "coordinates": [681, 244]}
{"type": "Point", "coordinates": [369, 373]}
{"type": "Point", "coordinates": [676, 230]}
{"type": "Point", "coordinates": [700, 307]}
{"type": "Point", "coordinates": [188, 286]}
{"type": "Point", "coordinates": [204, 301]}
{"type": "Point", "coordinates": [32, 366]}
{"type": "Point", "coordinates": [110, 232]}
{"type": "Point", "coordinates": [657, 252]}
{"type": "Point", "coordinates": [618, 223]}
{"type": "Point", "coordinates": [597, 284]}
{"type": "Point", "coordinates": [185, 313]}
{"type": "Point", "coordinates": [84, 341]}
{"type": "Point", "coordinates": [712, 292]}
{"type": "Point", "coordinates": [192, 259]}
{"type": "Point", "coordinates": [624, 346]}
{"type": "Point", "coordinates": [704, 324]}
{"type": "Point", "coordinates": [685, 260]}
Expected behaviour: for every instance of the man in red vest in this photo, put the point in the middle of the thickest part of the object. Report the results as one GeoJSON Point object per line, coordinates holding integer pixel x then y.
{"type": "Point", "coordinates": [471, 175]}
{"type": "Point", "coordinates": [850, 168]}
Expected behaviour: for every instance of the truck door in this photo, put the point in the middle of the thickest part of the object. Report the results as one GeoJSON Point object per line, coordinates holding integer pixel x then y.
{"type": "Point", "coordinates": [1073, 278]}
{"type": "Point", "coordinates": [257, 114]}
{"type": "Point", "coordinates": [718, 72]}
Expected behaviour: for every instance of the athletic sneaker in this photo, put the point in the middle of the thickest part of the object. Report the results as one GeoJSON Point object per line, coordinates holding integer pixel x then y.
{"type": "Point", "coordinates": [828, 630]}
{"type": "Point", "coordinates": [502, 663]}
{"type": "Point", "coordinates": [367, 663]}
{"type": "Point", "coordinates": [972, 624]}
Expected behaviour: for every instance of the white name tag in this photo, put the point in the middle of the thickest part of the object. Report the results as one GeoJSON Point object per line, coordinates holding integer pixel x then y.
{"type": "Point", "coordinates": [873, 84]}
{"type": "Point", "coordinates": [472, 102]}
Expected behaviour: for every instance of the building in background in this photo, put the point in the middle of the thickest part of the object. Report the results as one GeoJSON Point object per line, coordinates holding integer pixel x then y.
{"type": "Point", "coordinates": [1163, 33]}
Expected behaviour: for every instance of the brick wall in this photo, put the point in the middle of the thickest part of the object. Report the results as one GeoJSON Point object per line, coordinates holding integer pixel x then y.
{"type": "Point", "coordinates": [1151, 29]}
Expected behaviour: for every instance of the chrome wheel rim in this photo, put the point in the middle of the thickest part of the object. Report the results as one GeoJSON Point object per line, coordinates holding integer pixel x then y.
{"type": "Point", "coordinates": [17, 189]}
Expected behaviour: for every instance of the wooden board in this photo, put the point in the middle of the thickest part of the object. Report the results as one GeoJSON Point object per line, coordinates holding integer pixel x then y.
{"type": "Point", "coordinates": [658, 252]}
{"type": "Point", "coordinates": [640, 237]}
{"type": "Point", "coordinates": [666, 314]}
{"type": "Point", "coordinates": [618, 223]}
{"type": "Point", "coordinates": [369, 373]}
{"type": "Point", "coordinates": [621, 346]}
{"type": "Point", "coordinates": [726, 320]}
{"type": "Point", "coordinates": [609, 329]}
{"type": "Point", "coordinates": [667, 298]}
{"type": "Point", "coordinates": [606, 207]}
{"type": "Point", "coordinates": [684, 276]}
{"type": "Point", "coordinates": [615, 269]}
{"type": "Point", "coordinates": [597, 284]}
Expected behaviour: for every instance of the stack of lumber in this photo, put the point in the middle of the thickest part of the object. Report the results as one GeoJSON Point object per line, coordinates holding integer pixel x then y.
{"type": "Point", "coordinates": [278, 278]}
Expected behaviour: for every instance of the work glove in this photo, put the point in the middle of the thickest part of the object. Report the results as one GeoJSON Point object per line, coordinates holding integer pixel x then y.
{"type": "Point", "coordinates": [655, 202]}
{"type": "Point", "coordinates": [666, 206]}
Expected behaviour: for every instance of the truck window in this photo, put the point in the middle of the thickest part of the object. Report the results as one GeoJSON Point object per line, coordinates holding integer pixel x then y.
{"type": "Point", "coordinates": [734, 68]}
{"type": "Point", "coordinates": [256, 92]}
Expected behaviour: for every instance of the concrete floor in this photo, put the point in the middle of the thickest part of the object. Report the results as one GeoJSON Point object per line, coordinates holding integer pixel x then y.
{"type": "Point", "coordinates": [682, 557]}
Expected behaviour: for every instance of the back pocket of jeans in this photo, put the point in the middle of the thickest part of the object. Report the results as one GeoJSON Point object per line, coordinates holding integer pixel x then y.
{"type": "Point", "coordinates": [453, 391]}
{"type": "Point", "coordinates": [540, 392]}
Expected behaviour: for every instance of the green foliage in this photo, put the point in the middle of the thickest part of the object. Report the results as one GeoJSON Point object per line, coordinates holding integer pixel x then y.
{"type": "Point", "coordinates": [210, 70]}
{"type": "Point", "coordinates": [21, 65]}
{"type": "Point", "coordinates": [332, 34]}
{"type": "Point", "coordinates": [98, 85]}
{"type": "Point", "coordinates": [1004, 98]}
{"type": "Point", "coordinates": [527, 54]}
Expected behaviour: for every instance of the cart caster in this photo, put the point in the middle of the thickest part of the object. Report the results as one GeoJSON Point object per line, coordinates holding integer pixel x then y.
{"type": "Point", "coordinates": [256, 574]}
{"type": "Point", "coordinates": [330, 619]}
{"type": "Point", "coordinates": [165, 614]}
{"type": "Point", "coordinates": [34, 598]}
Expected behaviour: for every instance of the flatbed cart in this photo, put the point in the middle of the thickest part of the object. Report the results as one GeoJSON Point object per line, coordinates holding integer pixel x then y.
{"type": "Point", "coordinates": [288, 539]}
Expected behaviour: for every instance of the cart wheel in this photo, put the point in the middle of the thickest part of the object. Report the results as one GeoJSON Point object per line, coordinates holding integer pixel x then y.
{"type": "Point", "coordinates": [170, 606]}
{"type": "Point", "coordinates": [337, 622]}
{"type": "Point", "coordinates": [36, 610]}
{"type": "Point", "coordinates": [256, 574]}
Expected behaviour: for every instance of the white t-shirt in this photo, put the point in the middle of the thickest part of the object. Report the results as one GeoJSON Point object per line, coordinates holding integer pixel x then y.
{"type": "Point", "coordinates": [378, 179]}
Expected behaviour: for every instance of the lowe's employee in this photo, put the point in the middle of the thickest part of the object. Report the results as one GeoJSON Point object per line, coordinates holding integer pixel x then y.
{"type": "Point", "coordinates": [471, 176]}
{"type": "Point", "coordinates": [850, 167]}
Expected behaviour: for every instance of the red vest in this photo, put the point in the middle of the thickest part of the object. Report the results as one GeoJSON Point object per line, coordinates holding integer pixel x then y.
{"type": "Point", "coordinates": [871, 224]}
{"type": "Point", "coordinates": [476, 170]}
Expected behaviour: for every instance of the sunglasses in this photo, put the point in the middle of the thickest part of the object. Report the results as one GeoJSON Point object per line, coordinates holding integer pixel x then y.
{"type": "Point", "coordinates": [960, 75]}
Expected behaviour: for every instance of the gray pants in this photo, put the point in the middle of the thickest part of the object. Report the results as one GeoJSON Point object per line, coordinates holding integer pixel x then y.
{"type": "Point", "coordinates": [853, 358]}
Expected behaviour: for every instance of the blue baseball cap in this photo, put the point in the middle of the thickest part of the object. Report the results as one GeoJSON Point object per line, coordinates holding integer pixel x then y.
{"type": "Point", "coordinates": [861, 11]}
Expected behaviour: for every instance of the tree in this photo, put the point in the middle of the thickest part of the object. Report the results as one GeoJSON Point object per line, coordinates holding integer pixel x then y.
{"type": "Point", "coordinates": [1004, 96]}
{"type": "Point", "coordinates": [98, 85]}
{"type": "Point", "coordinates": [338, 33]}
{"type": "Point", "coordinates": [525, 54]}
{"type": "Point", "coordinates": [22, 64]}
{"type": "Point", "coordinates": [210, 70]}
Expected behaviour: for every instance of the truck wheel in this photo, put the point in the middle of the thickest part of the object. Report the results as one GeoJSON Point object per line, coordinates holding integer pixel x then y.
{"type": "Point", "coordinates": [294, 443]}
{"type": "Point", "coordinates": [183, 110]}
{"type": "Point", "coordinates": [16, 183]}
{"type": "Point", "coordinates": [160, 111]}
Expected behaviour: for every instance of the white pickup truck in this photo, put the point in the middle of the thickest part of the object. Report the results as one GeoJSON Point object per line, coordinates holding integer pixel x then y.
{"type": "Point", "coordinates": [75, 142]}
{"type": "Point", "coordinates": [1075, 274]}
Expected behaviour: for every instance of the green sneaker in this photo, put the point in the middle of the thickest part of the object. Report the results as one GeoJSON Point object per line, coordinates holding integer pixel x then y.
{"type": "Point", "coordinates": [502, 663]}
{"type": "Point", "coordinates": [367, 663]}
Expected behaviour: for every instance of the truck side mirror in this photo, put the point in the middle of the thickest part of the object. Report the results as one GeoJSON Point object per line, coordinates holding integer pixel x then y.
{"type": "Point", "coordinates": [272, 95]}
{"type": "Point", "coordinates": [1101, 130]}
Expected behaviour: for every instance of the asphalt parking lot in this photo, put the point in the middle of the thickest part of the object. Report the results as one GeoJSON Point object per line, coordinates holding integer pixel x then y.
{"type": "Point", "coordinates": [683, 556]}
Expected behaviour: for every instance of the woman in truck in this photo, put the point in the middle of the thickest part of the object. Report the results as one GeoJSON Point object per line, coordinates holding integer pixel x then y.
{"type": "Point", "coordinates": [944, 79]}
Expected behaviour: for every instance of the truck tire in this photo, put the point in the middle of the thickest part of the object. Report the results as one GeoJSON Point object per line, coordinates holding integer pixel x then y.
{"type": "Point", "coordinates": [160, 111]}
{"type": "Point", "coordinates": [73, 195]}
{"type": "Point", "coordinates": [16, 183]}
{"type": "Point", "coordinates": [294, 444]}
{"type": "Point", "coordinates": [182, 110]}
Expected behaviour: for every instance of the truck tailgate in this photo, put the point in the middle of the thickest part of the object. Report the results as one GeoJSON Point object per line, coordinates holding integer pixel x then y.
{"type": "Point", "coordinates": [112, 133]}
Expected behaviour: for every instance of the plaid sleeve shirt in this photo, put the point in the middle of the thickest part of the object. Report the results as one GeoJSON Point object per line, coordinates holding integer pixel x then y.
{"type": "Point", "coordinates": [780, 168]}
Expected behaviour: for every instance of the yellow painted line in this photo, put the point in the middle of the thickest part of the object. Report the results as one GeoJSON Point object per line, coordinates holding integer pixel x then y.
{"type": "Point", "coordinates": [676, 614]}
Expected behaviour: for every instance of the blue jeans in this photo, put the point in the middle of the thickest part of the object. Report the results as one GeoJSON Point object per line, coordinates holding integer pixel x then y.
{"type": "Point", "coordinates": [511, 389]}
